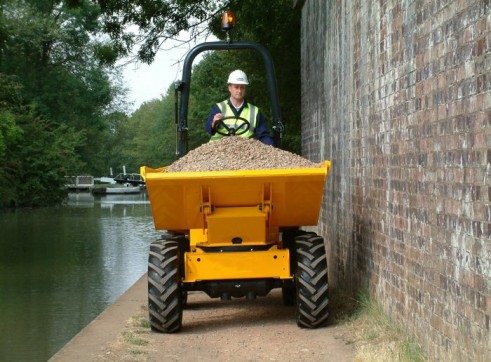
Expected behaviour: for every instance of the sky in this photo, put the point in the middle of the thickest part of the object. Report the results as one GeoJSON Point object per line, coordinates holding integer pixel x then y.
{"type": "Point", "coordinates": [151, 81]}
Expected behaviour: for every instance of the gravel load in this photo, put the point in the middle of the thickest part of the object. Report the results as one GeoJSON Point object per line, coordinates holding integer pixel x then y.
{"type": "Point", "coordinates": [238, 153]}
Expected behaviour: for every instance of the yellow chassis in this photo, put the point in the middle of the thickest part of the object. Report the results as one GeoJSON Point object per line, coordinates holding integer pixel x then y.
{"type": "Point", "coordinates": [233, 217]}
{"type": "Point", "coordinates": [202, 266]}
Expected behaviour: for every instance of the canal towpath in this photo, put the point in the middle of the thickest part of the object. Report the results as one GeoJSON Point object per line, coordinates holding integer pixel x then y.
{"type": "Point", "coordinates": [213, 330]}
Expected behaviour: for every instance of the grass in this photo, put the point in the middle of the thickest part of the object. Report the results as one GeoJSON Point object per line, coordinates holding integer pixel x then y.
{"type": "Point", "coordinates": [141, 321]}
{"type": "Point", "coordinates": [374, 335]}
{"type": "Point", "coordinates": [133, 337]}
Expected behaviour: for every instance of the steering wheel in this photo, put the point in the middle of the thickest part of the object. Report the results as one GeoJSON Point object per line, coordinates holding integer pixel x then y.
{"type": "Point", "coordinates": [236, 130]}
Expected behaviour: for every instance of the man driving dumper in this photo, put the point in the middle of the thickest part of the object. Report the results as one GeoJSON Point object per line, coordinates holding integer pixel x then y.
{"type": "Point", "coordinates": [236, 116]}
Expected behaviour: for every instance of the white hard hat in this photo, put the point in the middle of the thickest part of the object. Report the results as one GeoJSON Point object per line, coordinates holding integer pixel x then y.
{"type": "Point", "coordinates": [237, 77]}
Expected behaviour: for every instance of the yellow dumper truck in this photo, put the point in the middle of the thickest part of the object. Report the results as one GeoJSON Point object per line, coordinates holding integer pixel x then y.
{"type": "Point", "coordinates": [230, 243]}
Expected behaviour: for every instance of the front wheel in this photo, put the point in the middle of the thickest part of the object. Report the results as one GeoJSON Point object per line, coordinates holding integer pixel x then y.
{"type": "Point", "coordinates": [164, 287]}
{"type": "Point", "coordinates": [311, 281]}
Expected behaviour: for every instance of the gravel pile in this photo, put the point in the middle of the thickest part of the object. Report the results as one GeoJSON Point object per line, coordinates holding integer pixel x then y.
{"type": "Point", "coordinates": [238, 153]}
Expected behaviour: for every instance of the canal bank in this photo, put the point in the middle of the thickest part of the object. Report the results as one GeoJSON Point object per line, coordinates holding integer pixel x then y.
{"type": "Point", "coordinates": [90, 342]}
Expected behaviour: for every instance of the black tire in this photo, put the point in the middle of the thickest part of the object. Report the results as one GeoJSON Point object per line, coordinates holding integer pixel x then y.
{"type": "Point", "coordinates": [311, 281]}
{"type": "Point", "coordinates": [288, 289]}
{"type": "Point", "coordinates": [289, 237]}
{"type": "Point", "coordinates": [164, 287]}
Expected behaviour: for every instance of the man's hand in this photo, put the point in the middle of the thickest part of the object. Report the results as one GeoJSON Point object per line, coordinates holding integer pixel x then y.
{"type": "Point", "coordinates": [216, 118]}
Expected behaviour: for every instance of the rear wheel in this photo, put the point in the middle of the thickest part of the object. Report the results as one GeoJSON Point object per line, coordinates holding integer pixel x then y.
{"type": "Point", "coordinates": [311, 281]}
{"type": "Point", "coordinates": [288, 237]}
{"type": "Point", "coordinates": [164, 287]}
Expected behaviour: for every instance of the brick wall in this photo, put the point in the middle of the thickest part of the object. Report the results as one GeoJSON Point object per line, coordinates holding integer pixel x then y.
{"type": "Point", "coordinates": [397, 94]}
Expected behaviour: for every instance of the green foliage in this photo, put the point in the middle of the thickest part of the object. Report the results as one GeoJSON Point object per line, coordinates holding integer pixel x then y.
{"type": "Point", "coordinates": [49, 48]}
{"type": "Point", "coordinates": [150, 135]}
{"type": "Point", "coordinates": [45, 155]}
{"type": "Point", "coordinates": [37, 153]}
{"type": "Point", "coordinates": [156, 21]}
{"type": "Point", "coordinates": [9, 131]}
{"type": "Point", "coordinates": [53, 116]}
{"type": "Point", "coordinates": [109, 144]}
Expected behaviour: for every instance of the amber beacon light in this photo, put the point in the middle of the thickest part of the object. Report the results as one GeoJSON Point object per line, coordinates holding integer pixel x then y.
{"type": "Point", "coordinates": [228, 20]}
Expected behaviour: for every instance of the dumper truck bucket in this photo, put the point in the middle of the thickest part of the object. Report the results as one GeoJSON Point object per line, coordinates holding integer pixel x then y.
{"type": "Point", "coordinates": [178, 199]}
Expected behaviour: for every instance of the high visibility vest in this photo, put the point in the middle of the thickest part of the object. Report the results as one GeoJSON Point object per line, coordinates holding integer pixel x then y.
{"type": "Point", "coordinates": [249, 113]}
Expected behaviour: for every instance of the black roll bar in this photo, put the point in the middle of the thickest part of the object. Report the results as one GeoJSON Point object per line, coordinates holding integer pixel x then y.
{"type": "Point", "coordinates": [185, 87]}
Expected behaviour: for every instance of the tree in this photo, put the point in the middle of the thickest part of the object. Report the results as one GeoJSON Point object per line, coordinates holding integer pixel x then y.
{"type": "Point", "coordinates": [56, 51]}
{"type": "Point", "coordinates": [155, 21]}
{"type": "Point", "coordinates": [49, 46]}
{"type": "Point", "coordinates": [150, 133]}
{"type": "Point", "coordinates": [56, 94]}
{"type": "Point", "coordinates": [35, 153]}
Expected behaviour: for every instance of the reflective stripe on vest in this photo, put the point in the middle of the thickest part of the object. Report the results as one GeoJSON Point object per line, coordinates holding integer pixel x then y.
{"type": "Point", "coordinates": [249, 113]}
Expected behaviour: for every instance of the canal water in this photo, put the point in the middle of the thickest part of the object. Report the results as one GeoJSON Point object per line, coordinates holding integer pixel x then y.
{"type": "Point", "coordinates": [61, 267]}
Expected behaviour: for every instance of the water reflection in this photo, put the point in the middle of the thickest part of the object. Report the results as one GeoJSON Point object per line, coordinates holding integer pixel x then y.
{"type": "Point", "coordinates": [61, 267]}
